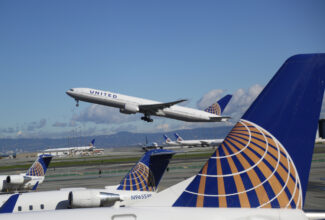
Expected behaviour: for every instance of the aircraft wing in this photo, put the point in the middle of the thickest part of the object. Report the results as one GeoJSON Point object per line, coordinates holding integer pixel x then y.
{"type": "Point", "coordinates": [159, 106]}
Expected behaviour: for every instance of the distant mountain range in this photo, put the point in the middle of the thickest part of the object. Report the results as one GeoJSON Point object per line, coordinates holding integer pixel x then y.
{"type": "Point", "coordinates": [120, 139]}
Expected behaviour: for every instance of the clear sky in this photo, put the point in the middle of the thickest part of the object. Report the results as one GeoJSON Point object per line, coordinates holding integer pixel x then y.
{"type": "Point", "coordinates": [160, 50]}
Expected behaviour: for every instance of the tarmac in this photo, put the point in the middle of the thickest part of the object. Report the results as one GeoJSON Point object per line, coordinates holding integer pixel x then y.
{"type": "Point", "coordinates": [179, 169]}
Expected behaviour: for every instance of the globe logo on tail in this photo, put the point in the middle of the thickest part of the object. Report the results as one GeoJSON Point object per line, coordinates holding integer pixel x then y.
{"type": "Point", "coordinates": [139, 178]}
{"type": "Point", "coordinates": [250, 169]}
{"type": "Point", "coordinates": [214, 109]}
{"type": "Point", "coordinates": [36, 169]}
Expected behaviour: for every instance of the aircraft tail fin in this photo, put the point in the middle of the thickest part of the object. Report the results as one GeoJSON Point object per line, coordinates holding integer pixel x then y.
{"type": "Point", "coordinates": [92, 143]}
{"type": "Point", "coordinates": [9, 205]}
{"type": "Point", "coordinates": [40, 166]}
{"type": "Point", "coordinates": [264, 162]}
{"type": "Point", "coordinates": [147, 173]}
{"type": "Point", "coordinates": [218, 107]}
{"type": "Point", "coordinates": [178, 137]}
{"type": "Point", "coordinates": [167, 139]}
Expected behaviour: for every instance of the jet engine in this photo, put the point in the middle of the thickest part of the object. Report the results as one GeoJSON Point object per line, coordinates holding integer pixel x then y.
{"type": "Point", "coordinates": [15, 179]}
{"type": "Point", "coordinates": [92, 198]}
{"type": "Point", "coordinates": [129, 109]}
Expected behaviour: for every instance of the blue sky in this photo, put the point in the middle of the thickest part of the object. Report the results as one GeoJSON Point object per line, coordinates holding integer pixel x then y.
{"type": "Point", "coordinates": [161, 50]}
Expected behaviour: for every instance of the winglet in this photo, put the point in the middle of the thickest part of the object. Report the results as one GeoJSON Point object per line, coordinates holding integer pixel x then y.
{"type": "Point", "coordinates": [147, 173]}
{"type": "Point", "coordinates": [264, 162]}
{"type": "Point", "coordinates": [218, 107]}
{"type": "Point", "coordinates": [9, 205]}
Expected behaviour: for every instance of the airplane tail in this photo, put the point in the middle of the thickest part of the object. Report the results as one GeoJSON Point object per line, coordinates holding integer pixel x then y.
{"type": "Point", "coordinates": [147, 173]}
{"type": "Point", "coordinates": [167, 139]}
{"type": "Point", "coordinates": [218, 107]}
{"type": "Point", "coordinates": [92, 143]}
{"type": "Point", "coordinates": [40, 166]}
{"type": "Point", "coordinates": [178, 138]}
{"type": "Point", "coordinates": [9, 205]}
{"type": "Point", "coordinates": [264, 162]}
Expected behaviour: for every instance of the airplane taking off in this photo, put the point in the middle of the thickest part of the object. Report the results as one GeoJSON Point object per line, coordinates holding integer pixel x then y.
{"type": "Point", "coordinates": [26, 181]}
{"type": "Point", "coordinates": [261, 169]}
{"type": "Point", "coordinates": [133, 105]}
{"type": "Point", "coordinates": [140, 183]}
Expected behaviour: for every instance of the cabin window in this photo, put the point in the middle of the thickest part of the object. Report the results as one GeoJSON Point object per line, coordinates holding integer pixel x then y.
{"type": "Point", "coordinates": [19, 208]}
{"type": "Point", "coordinates": [42, 206]}
{"type": "Point", "coordinates": [31, 207]}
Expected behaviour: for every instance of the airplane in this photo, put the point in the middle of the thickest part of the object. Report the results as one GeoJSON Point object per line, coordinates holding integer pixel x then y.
{"type": "Point", "coordinates": [66, 151]}
{"type": "Point", "coordinates": [133, 105]}
{"type": "Point", "coordinates": [8, 155]}
{"type": "Point", "coordinates": [34, 176]}
{"type": "Point", "coordinates": [261, 169]}
{"type": "Point", "coordinates": [149, 146]}
{"type": "Point", "coordinates": [198, 142]}
{"type": "Point", "coordinates": [140, 183]}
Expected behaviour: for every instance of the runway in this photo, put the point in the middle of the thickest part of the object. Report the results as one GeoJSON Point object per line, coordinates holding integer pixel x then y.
{"type": "Point", "coordinates": [179, 169]}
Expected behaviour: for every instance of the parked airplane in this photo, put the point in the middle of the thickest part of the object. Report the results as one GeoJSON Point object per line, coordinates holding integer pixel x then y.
{"type": "Point", "coordinates": [26, 181]}
{"type": "Point", "coordinates": [149, 146]}
{"type": "Point", "coordinates": [140, 183]}
{"type": "Point", "coordinates": [198, 142]}
{"type": "Point", "coordinates": [132, 105]}
{"type": "Point", "coordinates": [72, 151]}
{"type": "Point", "coordinates": [8, 155]}
{"type": "Point", "coordinates": [261, 169]}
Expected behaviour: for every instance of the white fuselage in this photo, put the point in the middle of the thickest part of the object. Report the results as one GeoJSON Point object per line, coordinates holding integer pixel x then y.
{"type": "Point", "coordinates": [121, 101]}
{"type": "Point", "coordinates": [162, 213]}
{"type": "Point", "coordinates": [20, 182]}
{"type": "Point", "coordinates": [201, 142]}
{"type": "Point", "coordinates": [58, 199]}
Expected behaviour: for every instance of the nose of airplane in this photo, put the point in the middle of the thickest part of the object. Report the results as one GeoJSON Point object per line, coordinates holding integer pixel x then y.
{"type": "Point", "coordinates": [70, 92]}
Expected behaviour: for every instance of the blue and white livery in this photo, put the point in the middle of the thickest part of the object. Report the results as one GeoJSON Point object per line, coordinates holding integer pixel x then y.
{"type": "Point", "coordinates": [139, 184]}
{"type": "Point", "coordinates": [26, 181]}
{"type": "Point", "coordinates": [261, 169]}
{"type": "Point", "coordinates": [133, 105]}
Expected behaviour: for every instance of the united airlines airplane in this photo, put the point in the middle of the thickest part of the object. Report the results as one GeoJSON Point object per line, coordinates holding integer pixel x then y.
{"type": "Point", "coordinates": [132, 105]}
{"type": "Point", "coordinates": [139, 184]}
{"type": "Point", "coordinates": [261, 169]}
{"type": "Point", "coordinates": [198, 142]}
{"type": "Point", "coordinates": [26, 181]}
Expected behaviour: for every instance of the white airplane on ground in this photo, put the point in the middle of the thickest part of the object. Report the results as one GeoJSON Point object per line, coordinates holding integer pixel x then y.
{"type": "Point", "coordinates": [132, 105]}
{"type": "Point", "coordinates": [140, 183]}
{"type": "Point", "coordinates": [195, 143]}
{"type": "Point", "coordinates": [261, 169]}
{"type": "Point", "coordinates": [68, 151]}
{"type": "Point", "coordinates": [26, 181]}
{"type": "Point", "coordinates": [149, 146]}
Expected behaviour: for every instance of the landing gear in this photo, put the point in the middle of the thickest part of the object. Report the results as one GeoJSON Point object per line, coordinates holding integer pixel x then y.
{"type": "Point", "coordinates": [77, 104]}
{"type": "Point", "coordinates": [147, 118]}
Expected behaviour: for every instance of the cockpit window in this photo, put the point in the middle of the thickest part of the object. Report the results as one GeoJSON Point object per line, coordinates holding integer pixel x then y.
{"type": "Point", "coordinates": [71, 90]}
